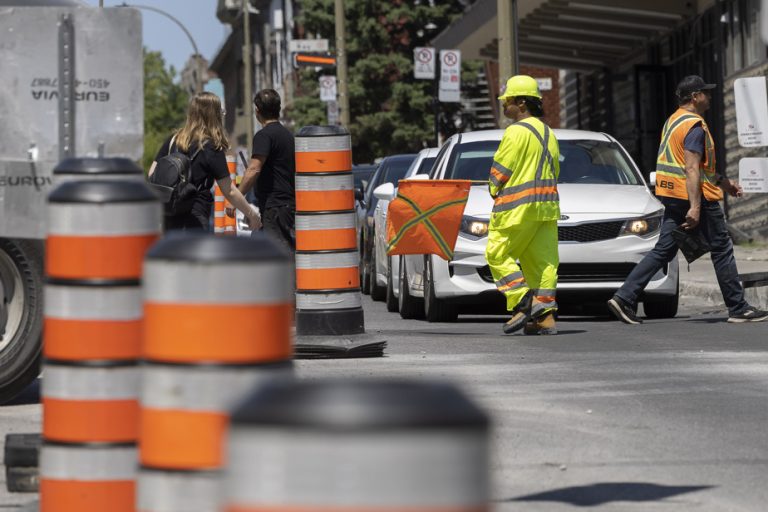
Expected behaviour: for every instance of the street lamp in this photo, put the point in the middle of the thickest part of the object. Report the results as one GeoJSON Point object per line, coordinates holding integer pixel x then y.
{"type": "Point", "coordinates": [198, 57]}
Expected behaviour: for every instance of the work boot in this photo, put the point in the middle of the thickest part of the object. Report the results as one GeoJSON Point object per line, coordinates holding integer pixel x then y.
{"type": "Point", "coordinates": [520, 314]}
{"type": "Point", "coordinates": [542, 325]}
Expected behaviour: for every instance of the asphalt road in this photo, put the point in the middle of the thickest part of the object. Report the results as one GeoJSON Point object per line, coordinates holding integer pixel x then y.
{"type": "Point", "coordinates": [669, 415]}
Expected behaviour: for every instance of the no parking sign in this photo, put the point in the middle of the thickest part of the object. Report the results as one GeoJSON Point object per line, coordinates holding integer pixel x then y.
{"type": "Point", "coordinates": [450, 76]}
{"type": "Point", "coordinates": [424, 63]}
{"type": "Point", "coordinates": [327, 88]}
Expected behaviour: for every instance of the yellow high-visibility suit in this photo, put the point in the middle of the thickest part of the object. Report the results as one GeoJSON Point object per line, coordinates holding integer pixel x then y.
{"type": "Point", "coordinates": [523, 226]}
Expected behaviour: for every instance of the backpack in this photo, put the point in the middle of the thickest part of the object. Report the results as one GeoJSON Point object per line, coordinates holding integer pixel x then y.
{"type": "Point", "coordinates": [171, 181]}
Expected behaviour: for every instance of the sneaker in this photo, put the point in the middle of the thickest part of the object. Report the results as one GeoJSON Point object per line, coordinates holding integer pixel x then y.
{"type": "Point", "coordinates": [751, 314]}
{"type": "Point", "coordinates": [623, 311]}
{"type": "Point", "coordinates": [543, 325]}
{"type": "Point", "coordinates": [520, 314]}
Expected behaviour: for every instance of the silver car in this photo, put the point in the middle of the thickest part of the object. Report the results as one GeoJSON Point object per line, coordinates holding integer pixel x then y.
{"type": "Point", "coordinates": [609, 221]}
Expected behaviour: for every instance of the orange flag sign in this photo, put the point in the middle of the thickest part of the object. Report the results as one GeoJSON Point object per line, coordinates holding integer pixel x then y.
{"type": "Point", "coordinates": [425, 217]}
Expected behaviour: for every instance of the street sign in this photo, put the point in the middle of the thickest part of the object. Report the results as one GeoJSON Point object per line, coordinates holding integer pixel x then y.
{"type": "Point", "coordinates": [751, 111]}
{"type": "Point", "coordinates": [327, 88]}
{"type": "Point", "coordinates": [753, 175]}
{"type": "Point", "coordinates": [424, 63]}
{"type": "Point", "coordinates": [321, 60]}
{"type": "Point", "coordinates": [308, 45]}
{"type": "Point", "coordinates": [545, 84]}
{"type": "Point", "coordinates": [333, 112]}
{"type": "Point", "coordinates": [450, 76]}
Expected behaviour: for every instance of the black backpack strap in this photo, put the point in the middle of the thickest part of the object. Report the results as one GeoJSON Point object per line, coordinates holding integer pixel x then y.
{"type": "Point", "coordinates": [170, 144]}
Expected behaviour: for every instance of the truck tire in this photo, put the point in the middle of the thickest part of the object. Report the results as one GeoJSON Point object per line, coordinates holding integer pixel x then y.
{"type": "Point", "coordinates": [435, 309]}
{"type": "Point", "coordinates": [21, 272]}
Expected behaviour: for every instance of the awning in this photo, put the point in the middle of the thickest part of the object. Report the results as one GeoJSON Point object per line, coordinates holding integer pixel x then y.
{"type": "Point", "coordinates": [568, 34]}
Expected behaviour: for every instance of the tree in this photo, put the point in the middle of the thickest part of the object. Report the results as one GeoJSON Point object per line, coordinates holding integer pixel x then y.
{"type": "Point", "coordinates": [165, 104]}
{"type": "Point", "coordinates": [391, 112]}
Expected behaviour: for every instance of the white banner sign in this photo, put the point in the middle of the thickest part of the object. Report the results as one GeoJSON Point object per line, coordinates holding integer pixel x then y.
{"type": "Point", "coordinates": [333, 112]}
{"type": "Point", "coordinates": [424, 63]}
{"type": "Point", "coordinates": [545, 84]}
{"type": "Point", "coordinates": [308, 45]}
{"type": "Point", "coordinates": [327, 88]}
{"type": "Point", "coordinates": [450, 76]}
{"type": "Point", "coordinates": [751, 111]}
{"type": "Point", "coordinates": [753, 174]}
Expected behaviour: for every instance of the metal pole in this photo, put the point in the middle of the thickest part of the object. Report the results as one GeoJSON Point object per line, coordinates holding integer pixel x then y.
{"type": "Point", "coordinates": [248, 70]}
{"type": "Point", "coordinates": [506, 19]}
{"type": "Point", "coordinates": [341, 62]}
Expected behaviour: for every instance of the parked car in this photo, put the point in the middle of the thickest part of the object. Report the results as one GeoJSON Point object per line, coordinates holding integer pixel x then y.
{"type": "Point", "coordinates": [390, 170]}
{"type": "Point", "coordinates": [609, 221]}
{"type": "Point", "coordinates": [382, 286]}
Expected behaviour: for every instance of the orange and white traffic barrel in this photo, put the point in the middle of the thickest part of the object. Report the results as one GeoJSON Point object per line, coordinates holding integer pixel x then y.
{"type": "Point", "coordinates": [230, 223]}
{"type": "Point", "coordinates": [328, 300]}
{"type": "Point", "coordinates": [342, 445]}
{"type": "Point", "coordinates": [217, 322]}
{"type": "Point", "coordinates": [98, 233]}
{"type": "Point", "coordinates": [86, 168]}
{"type": "Point", "coordinates": [219, 210]}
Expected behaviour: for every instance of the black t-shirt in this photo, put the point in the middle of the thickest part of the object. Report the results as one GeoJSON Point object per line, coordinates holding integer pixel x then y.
{"type": "Point", "coordinates": [276, 184]}
{"type": "Point", "coordinates": [209, 165]}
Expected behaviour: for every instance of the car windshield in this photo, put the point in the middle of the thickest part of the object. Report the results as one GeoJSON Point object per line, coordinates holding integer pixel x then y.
{"type": "Point", "coordinates": [426, 165]}
{"type": "Point", "coordinates": [581, 161]}
{"type": "Point", "coordinates": [395, 170]}
{"type": "Point", "coordinates": [363, 175]}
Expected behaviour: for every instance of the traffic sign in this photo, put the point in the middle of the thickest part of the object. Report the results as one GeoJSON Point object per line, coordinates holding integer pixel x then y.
{"type": "Point", "coordinates": [327, 88]}
{"type": "Point", "coordinates": [424, 63]}
{"type": "Point", "coordinates": [751, 111]}
{"type": "Point", "coordinates": [322, 60]}
{"type": "Point", "coordinates": [450, 76]}
{"type": "Point", "coordinates": [308, 45]}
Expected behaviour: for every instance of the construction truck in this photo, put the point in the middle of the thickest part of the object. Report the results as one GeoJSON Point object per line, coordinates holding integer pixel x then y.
{"type": "Point", "coordinates": [71, 85]}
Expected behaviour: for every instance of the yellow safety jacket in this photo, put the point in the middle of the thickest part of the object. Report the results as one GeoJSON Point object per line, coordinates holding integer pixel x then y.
{"type": "Point", "coordinates": [670, 164]}
{"type": "Point", "coordinates": [523, 180]}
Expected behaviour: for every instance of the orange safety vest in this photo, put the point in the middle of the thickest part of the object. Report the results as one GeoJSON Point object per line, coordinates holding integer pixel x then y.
{"type": "Point", "coordinates": [670, 164]}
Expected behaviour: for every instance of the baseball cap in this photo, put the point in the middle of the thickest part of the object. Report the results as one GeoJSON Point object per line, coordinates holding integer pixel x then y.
{"type": "Point", "coordinates": [691, 84]}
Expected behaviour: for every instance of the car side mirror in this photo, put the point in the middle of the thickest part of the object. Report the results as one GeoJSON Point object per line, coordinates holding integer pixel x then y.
{"type": "Point", "coordinates": [359, 195]}
{"type": "Point", "coordinates": [384, 192]}
{"type": "Point", "coordinates": [419, 177]}
{"type": "Point", "coordinates": [652, 180]}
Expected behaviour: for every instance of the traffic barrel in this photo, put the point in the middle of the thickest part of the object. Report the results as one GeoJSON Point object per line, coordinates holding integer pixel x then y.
{"type": "Point", "coordinates": [384, 445]}
{"type": "Point", "coordinates": [219, 210]}
{"type": "Point", "coordinates": [217, 322]}
{"type": "Point", "coordinates": [98, 232]}
{"type": "Point", "coordinates": [88, 168]}
{"type": "Point", "coordinates": [230, 223]}
{"type": "Point", "coordinates": [328, 300]}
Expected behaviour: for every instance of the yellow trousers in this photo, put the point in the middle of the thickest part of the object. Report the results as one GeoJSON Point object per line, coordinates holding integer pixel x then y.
{"type": "Point", "coordinates": [534, 245]}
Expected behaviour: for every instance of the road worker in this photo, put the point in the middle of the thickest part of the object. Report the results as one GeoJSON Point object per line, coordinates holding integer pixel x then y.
{"type": "Point", "coordinates": [523, 226]}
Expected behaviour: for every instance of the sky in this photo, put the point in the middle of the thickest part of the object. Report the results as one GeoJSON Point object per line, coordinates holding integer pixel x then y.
{"type": "Point", "coordinates": [163, 35]}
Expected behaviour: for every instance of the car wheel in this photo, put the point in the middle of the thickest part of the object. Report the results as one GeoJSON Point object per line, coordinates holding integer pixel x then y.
{"type": "Point", "coordinates": [21, 315]}
{"type": "Point", "coordinates": [391, 300]}
{"type": "Point", "coordinates": [662, 306]}
{"type": "Point", "coordinates": [378, 292]}
{"type": "Point", "coordinates": [436, 310]}
{"type": "Point", "coordinates": [410, 307]}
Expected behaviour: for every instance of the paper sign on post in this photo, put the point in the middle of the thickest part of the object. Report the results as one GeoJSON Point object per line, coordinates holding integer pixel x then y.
{"type": "Point", "coordinates": [424, 63]}
{"type": "Point", "coordinates": [751, 111]}
{"type": "Point", "coordinates": [450, 76]}
{"type": "Point", "coordinates": [333, 112]}
{"type": "Point", "coordinates": [753, 175]}
{"type": "Point", "coordinates": [327, 88]}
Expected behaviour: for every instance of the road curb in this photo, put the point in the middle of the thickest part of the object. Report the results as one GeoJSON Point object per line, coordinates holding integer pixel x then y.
{"type": "Point", "coordinates": [710, 294]}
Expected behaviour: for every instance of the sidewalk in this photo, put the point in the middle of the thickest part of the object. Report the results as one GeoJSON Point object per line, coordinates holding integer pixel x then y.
{"type": "Point", "coordinates": [700, 281]}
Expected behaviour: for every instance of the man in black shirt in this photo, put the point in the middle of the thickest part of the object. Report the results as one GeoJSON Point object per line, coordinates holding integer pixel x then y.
{"type": "Point", "coordinates": [272, 170]}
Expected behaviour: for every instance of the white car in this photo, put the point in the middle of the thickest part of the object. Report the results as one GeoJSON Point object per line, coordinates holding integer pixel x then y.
{"type": "Point", "coordinates": [382, 286]}
{"type": "Point", "coordinates": [609, 221]}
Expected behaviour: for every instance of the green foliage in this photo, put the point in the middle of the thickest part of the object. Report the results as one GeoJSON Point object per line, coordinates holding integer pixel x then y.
{"type": "Point", "coordinates": [165, 104]}
{"type": "Point", "coordinates": [390, 111]}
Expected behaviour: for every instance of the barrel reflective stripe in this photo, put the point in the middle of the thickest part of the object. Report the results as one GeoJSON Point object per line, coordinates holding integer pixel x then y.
{"type": "Point", "coordinates": [356, 471]}
{"type": "Point", "coordinates": [325, 193]}
{"type": "Point", "coordinates": [323, 154]}
{"type": "Point", "coordinates": [87, 479]}
{"type": "Point", "coordinates": [93, 302]}
{"type": "Point", "coordinates": [183, 282]}
{"type": "Point", "coordinates": [84, 404]}
{"type": "Point", "coordinates": [306, 144]}
{"type": "Point", "coordinates": [185, 411]}
{"type": "Point", "coordinates": [120, 219]}
{"type": "Point", "coordinates": [163, 491]}
{"type": "Point", "coordinates": [330, 300]}
{"type": "Point", "coordinates": [326, 231]}
{"type": "Point", "coordinates": [319, 271]}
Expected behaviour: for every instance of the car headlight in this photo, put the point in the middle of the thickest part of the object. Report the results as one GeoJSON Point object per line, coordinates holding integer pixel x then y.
{"type": "Point", "coordinates": [643, 226]}
{"type": "Point", "coordinates": [475, 228]}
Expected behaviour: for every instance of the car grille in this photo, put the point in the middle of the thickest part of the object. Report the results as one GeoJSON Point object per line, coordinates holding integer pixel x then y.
{"type": "Point", "coordinates": [580, 272]}
{"type": "Point", "coordinates": [590, 232]}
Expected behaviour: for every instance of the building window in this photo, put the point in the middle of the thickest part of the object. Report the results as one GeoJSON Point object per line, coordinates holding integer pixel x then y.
{"type": "Point", "coordinates": [741, 29]}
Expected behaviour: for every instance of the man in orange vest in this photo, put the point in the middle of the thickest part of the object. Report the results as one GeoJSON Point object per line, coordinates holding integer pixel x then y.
{"type": "Point", "coordinates": [690, 188]}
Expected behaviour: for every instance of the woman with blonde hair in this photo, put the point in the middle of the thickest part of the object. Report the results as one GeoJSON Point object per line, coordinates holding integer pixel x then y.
{"type": "Point", "coordinates": [202, 139]}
